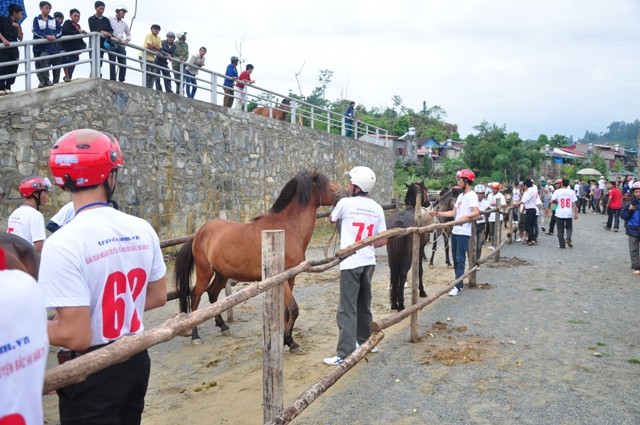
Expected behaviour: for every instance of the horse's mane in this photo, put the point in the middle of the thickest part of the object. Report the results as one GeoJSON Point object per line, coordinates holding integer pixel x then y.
{"type": "Point", "coordinates": [412, 195]}
{"type": "Point", "coordinates": [300, 188]}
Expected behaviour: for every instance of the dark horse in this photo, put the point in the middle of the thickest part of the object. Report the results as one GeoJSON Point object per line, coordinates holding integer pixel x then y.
{"type": "Point", "coordinates": [20, 254]}
{"type": "Point", "coordinates": [445, 201]}
{"type": "Point", "coordinates": [223, 250]}
{"type": "Point", "coordinates": [277, 113]}
{"type": "Point", "coordinates": [400, 248]}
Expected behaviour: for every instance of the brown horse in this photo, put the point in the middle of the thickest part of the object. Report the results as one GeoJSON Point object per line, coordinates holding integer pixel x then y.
{"type": "Point", "coordinates": [444, 203]}
{"type": "Point", "coordinates": [400, 248]}
{"type": "Point", "coordinates": [277, 113]}
{"type": "Point", "coordinates": [20, 254]}
{"type": "Point", "coordinates": [223, 250]}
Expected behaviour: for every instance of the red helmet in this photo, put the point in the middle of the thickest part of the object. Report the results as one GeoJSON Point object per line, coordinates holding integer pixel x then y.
{"type": "Point", "coordinates": [466, 174]}
{"type": "Point", "coordinates": [558, 181]}
{"type": "Point", "coordinates": [84, 158]}
{"type": "Point", "coordinates": [34, 184]}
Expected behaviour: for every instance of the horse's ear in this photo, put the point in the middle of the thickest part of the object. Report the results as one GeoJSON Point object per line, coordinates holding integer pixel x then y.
{"type": "Point", "coordinates": [314, 174]}
{"type": "Point", "coordinates": [408, 185]}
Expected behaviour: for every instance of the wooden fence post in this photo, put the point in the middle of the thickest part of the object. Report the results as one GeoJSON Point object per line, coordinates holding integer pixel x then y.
{"type": "Point", "coordinates": [497, 236]}
{"type": "Point", "coordinates": [415, 269]}
{"type": "Point", "coordinates": [473, 246]}
{"type": "Point", "coordinates": [273, 325]}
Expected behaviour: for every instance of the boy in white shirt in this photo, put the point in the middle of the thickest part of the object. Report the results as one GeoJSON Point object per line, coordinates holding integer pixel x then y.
{"type": "Point", "coordinates": [483, 205]}
{"type": "Point", "coordinates": [27, 221]}
{"type": "Point", "coordinates": [493, 199]}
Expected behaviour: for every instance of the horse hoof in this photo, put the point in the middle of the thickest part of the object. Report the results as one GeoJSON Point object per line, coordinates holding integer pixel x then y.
{"type": "Point", "coordinates": [196, 341]}
{"type": "Point", "coordinates": [297, 350]}
{"type": "Point", "coordinates": [423, 294]}
{"type": "Point", "coordinates": [226, 332]}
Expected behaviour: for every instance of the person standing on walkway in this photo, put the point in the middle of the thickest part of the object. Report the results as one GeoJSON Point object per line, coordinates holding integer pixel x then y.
{"type": "Point", "coordinates": [494, 197]}
{"type": "Point", "coordinates": [194, 64]}
{"type": "Point", "coordinates": [529, 200]}
{"type": "Point", "coordinates": [243, 79]}
{"type": "Point", "coordinates": [552, 223]}
{"type": "Point", "coordinates": [10, 31]}
{"type": "Point", "coordinates": [567, 209]}
{"type": "Point", "coordinates": [466, 206]}
{"type": "Point", "coordinates": [631, 216]}
{"type": "Point", "coordinates": [122, 33]}
{"type": "Point", "coordinates": [349, 117]}
{"type": "Point", "coordinates": [232, 75]}
{"type": "Point", "coordinates": [100, 23]}
{"type": "Point", "coordinates": [27, 221]}
{"type": "Point", "coordinates": [614, 207]}
{"type": "Point", "coordinates": [181, 56]}
{"type": "Point", "coordinates": [100, 272]}
{"type": "Point", "coordinates": [483, 205]}
{"type": "Point", "coordinates": [46, 27]}
{"type": "Point", "coordinates": [361, 218]}
{"type": "Point", "coordinates": [153, 43]}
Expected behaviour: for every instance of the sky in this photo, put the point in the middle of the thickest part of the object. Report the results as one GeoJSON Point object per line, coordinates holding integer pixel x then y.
{"type": "Point", "coordinates": [537, 67]}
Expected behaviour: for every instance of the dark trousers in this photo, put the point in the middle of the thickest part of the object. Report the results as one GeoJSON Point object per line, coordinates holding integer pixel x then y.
{"type": "Point", "coordinates": [582, 205]}
{"type": "Point", "coordinates": [228, 98]}
{"type": "Point", "coordinates": [45, 63]}
{"type": "Point", "coordinates": [354, 310]}
{"type": "Point", "coordinates": [349, 128]}
{"type": "Point", "coordinates": [530, 224]}
{"type": "Point", "coordinates": [8, 55]}
{"type": "Point", "coordinates": [121, 70]}
{"type": "Point", "coordinates": [459, 248]}
{"type": "Point", "coordinates": [152, 78]}
{"type": "Point", "coordinates": [634, 252]}
{"type": "Point", "coordinates": [613, 213]}
{"type": "Point", "coordinates": [191, 85]}
{"type": "Point", "coordinates": [605, 201]}
{"type": "Point", "coordinates": [564, 223]}
{"type": "Point", "coordinates": [552, 222]}
{"type": "Point", "coordinates": [167, 81]}
{"type": "Point", "coordinates": [114, 395]}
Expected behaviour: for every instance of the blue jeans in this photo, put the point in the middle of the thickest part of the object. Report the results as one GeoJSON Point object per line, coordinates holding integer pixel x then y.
{"type": "Point", "coordinates": [459, 248]}
{"type": "Point", "coordinates": [190, 84]}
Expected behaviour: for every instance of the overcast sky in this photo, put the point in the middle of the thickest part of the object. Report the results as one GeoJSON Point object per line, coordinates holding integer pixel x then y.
{"type": "Point", "coordinates": [544, 66]}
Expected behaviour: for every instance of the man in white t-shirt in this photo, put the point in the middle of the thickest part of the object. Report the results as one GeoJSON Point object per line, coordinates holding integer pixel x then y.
{"type": "Point", "coordinates": [466, 206]}
{"type": "Point", "coordinates": [361, 217]}
{"type": "Point", "coordinates": [567, 208]}
{"type": "Point", "coordinates": [483, 205]}
{"type": "Point", "coordinates": [494, 197]}
{"type": "Point", "coordinates": [529, 201]}
{"type": "Point", "coordinates": [62, 217]}
{"type": "Point", "coordinates": [23, 338]}
{"type": "Point", "coordinates": [101, 272]}
{"type": "Point", "coordinates": [27, 221]}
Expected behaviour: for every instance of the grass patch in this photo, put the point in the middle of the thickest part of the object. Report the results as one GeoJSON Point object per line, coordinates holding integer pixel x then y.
{"type": "Point", "coordinates": [538, 289]}
{"type": "Point", "coordinates": [577, 322]}
{"type": "Point", "coordinates": [633, 361]}
{"type": "Point", "coordinates": [600, 344]}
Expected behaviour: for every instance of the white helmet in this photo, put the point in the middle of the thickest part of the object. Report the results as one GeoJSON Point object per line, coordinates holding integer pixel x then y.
{"type": "Point", "coordinates": [480, 188]}
{"type": "Point", "coordinates": [363, 177]}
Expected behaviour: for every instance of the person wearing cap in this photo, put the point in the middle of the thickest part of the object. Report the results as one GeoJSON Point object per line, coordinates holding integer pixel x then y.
{"type": "Point", "coordinates": [245, 77]}
{"type": "Point", "coordinates": [122, 35]}
{"type": "Point", "coordinates": [465, 206]}
{"type": "Point", "coordinates": [181, 56]}
{"type": "Point", "coordinates": [194, 63]}
{"type": "Point", "coordinates": [101, 272]}
{"type": "Point", "coordinates": [153, 44]}
{"type": "Point", "coordinates": [361, 217]}
{"type": "Point", "coordinates": [23, 320]}
{"type": "Point", "coordinates": [27, 221]}
{"type": "Point", "coordinates": [232, 75]}
{"type": "Point", "coordinates": [167, 51]}
{"type": "Point", "coordinates": [10, 31]}
{"type": "Point", "coordinates": [100, 23]}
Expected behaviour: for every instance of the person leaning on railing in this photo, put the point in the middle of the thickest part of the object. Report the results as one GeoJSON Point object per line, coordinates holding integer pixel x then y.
{"type": "Point", "coordinates": [45, 27]}
{"type": "Point", "coordinates": [72, 27]}
{"type": "Point", "coordinates": [10, 31]}
{"type": "Point", "coordinates": [122, 33]}
{"type": "Point", "coordinates": [181, 55]}
{"type": "Point", "coordinates": [195, 62]}
{"type": "Point", "coordinates": [151, 42]}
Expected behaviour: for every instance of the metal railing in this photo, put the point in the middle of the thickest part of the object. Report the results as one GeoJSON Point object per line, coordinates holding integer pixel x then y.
{"type": "Point", "coordinates": [300, 112]}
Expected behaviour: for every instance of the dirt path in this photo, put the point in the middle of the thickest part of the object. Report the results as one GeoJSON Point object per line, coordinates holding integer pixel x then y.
{"type": "Point", "coordinates": [520, 352]}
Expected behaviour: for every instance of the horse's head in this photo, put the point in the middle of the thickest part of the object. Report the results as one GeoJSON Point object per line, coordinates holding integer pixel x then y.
{"type": "Point", "coordinates": [325, 191]}
{"type": "Point", "coordinates": [413, 190]}
{"type": "Point", "coordinates": [285, 104]}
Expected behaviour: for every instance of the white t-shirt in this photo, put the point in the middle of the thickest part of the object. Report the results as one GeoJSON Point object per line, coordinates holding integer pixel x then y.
{"type": "Point", "coordinates": [103, 259]}
{"type": "Point", "coordinates": [492, 198]}
{"type": "Point", "coordinates": [530, 197]}
{"type": "Point", "coordinates": [464, 205]}
{"type": "Point", "coordinates": [24, 346]}
{"type": "Point", "coordinates": [566, 198]}
{"type": "Point", "coordinates": [64, 215]}
{"type": "Point", "coordinates": [516, 194]}
{"type": "Point", "coordinates": [482, 206]}
{"type": "Point", "coordinates": [361, 217]}
{"type": "Point", "coordinates": [28, 223]}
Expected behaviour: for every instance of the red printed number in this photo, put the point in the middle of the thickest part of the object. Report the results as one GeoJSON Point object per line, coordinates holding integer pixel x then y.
{"type": "Point", "coordinates": [361, 227]}
{"type": "Point", "coordinates": [565, 202]}
{"type": "Point", "coordinates": [13, 419]}
{"type": "Point", "coordinates": [10, 230]}
{"type": "Point", "coordinates": [114, 301]}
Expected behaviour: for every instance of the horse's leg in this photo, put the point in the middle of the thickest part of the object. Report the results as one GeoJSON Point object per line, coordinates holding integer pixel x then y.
{"type": "Point", "coordinates": [203, 277]}
{"type": "Point", "coordinates": [434, 247]}
{"type": "Point", "coordinates": [423, 294]}
{"type": "Point", "coordinates": [290, 316]}
{"type": "Point", "coordinates": [214, 289]}
{"type": "Point", "coordinates": [447, 248]}
{"type": "Point", "coordinates": [402, 278]}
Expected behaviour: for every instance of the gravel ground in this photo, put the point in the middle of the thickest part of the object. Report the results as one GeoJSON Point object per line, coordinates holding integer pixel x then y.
{"type": "Point", "coordinates": [555, 340]}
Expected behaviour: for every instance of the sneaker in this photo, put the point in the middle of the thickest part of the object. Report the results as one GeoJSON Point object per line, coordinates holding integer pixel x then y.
{"type": "Point", "coordinates": [335, 360]}
{"type": "Point", "coordinates": [49, 83]}
{"type": "Point", "coordinates": [518, 239]}
{"type": "Point", "coordinates": [41, 85]}
{"type": "Point", "coordinates": [454, 292]}
{"type": "Point", "coordinates": [550, 233]}
{"type": "Point", "coordinates": [569, 244]}
{"type": "Point", "coordinates": [636, 272]}
{"type": "Point", "coordinates": [7, 91]}
{"type": "Point", "coordinates": [373, 350]}
{"type": "Point", "coordinates": [607, 228]}
{"type": "Point", "coordinates": [543, 229]}
{"type": "Point", "coordinates": [492, 247]}
{"type": "Point", "coordinates": [615, 230]}
{"type": "Point", "coordinates": [3, 92]}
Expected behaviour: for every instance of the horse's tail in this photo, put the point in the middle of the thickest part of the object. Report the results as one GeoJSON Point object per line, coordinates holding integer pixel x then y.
{"type": "Point", "coordinates": [183, 269]}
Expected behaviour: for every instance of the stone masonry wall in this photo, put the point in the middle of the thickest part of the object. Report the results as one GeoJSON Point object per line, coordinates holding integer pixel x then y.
{"type": "Point", "coordinates": [186, 161]}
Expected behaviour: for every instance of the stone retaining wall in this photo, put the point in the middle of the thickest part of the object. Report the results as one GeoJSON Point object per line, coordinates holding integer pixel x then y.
{"type": "Point", "coordinates": [186, 161]}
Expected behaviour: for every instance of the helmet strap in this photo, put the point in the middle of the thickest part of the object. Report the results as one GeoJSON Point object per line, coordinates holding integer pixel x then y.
{"type": "Point", "coordinates": [110, 190]}
{"type": "Point", "coordinates": [36, 196]}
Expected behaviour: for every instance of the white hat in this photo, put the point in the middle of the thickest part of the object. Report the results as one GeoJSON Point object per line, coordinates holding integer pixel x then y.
{"type": "Point", "coordinates": [181, 34]}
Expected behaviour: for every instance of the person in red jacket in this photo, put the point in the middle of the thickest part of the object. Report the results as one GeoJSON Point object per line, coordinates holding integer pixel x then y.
{"type": "Point", "coordinates": [614, 206]}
